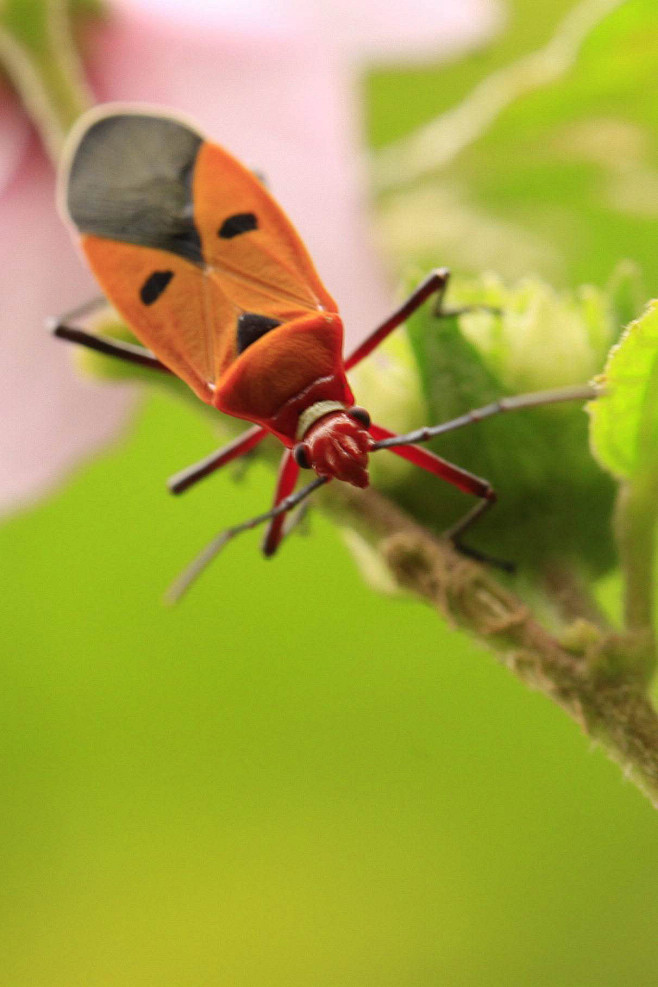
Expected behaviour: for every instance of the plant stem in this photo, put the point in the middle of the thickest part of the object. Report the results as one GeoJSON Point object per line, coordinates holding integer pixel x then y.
{"type": "Point", "coordinates": [38, 53]}
{"type": "Point", "coordinates": [610, 709]}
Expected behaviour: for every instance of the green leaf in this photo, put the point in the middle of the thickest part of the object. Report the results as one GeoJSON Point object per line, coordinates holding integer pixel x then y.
{"type": "Point", "coordinates": [555, 503]}
{"type": "Point", "coordinates": [627, 292]}
{"type": "Point", "coordinates": [624, 437]}
{"type": "Point", "coordinates": [624, 427]}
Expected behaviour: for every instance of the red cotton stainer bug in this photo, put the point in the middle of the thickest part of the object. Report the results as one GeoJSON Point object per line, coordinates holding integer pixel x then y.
{"type": "Point", "coordinates": [213, 279]}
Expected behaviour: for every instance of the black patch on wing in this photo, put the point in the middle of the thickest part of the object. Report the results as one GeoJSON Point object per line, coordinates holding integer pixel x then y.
{"type": "Point", "coordinates": [154, 285]}
{"type": "Point", "coordinates": [130, 179]}
{"type": "Point", "coordinates": [251, 327]}
{"type": "Point", "coordinates": [241, 222]}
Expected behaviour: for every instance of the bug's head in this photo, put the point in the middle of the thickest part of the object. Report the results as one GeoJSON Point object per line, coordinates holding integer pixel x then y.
{"type": "Point", "coordinates": [337, 446]}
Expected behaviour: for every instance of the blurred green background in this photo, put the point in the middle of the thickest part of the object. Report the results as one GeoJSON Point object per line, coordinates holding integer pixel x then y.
{"type": "Point", "coordinates": [288, 779]}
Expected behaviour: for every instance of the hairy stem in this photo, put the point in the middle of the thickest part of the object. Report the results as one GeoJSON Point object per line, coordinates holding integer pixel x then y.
{"type": "Point", "coordinates": [589, 685]}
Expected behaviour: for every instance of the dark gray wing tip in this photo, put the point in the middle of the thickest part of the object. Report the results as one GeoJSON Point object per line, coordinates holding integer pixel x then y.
{"type": "Point", "coordinates": [127, 176]}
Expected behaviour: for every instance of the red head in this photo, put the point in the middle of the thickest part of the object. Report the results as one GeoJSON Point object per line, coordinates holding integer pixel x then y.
{"type": "Point", "coordinates": [337, 445]}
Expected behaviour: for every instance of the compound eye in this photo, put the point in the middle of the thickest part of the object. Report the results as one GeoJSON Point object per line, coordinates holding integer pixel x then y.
{"type": "Point", "coordinates": [300, 452]}
{"type": "Point", "coordinates": [361, 415]}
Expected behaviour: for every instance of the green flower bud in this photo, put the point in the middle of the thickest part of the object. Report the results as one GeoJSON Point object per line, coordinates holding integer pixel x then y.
{"type": "Point", "coordinates": [554, 502]}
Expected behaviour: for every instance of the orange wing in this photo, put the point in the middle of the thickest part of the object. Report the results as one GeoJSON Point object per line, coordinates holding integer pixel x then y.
{"type": "Point", "coordinates": [185, 242]}
{"type": "Point", "coordinates": [174, 307]}
{"type": "Point", "coordinates": [252, 247]}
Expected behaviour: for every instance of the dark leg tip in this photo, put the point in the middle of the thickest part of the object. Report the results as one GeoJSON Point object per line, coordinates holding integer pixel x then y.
{"type": "Point", "coordinates": [270, 545]}
{"type": "Point", "coordinates": [484, 557]}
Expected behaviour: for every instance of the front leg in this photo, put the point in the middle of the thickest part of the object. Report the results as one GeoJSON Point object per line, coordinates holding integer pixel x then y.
{"type": "Point", "coordinates": [434, 283]}
{"type": "Point", "coordinates": [198, 471]}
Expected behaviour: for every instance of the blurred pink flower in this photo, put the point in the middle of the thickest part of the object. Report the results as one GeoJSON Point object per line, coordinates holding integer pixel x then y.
{"type": "Point", "coordinates": [270, 80]}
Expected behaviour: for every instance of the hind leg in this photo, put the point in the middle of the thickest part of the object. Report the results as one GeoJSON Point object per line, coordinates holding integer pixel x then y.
{"type": "Point", "coordinates": [63, 328]}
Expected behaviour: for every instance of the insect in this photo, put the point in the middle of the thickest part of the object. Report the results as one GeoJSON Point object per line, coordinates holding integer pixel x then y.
{"type": "Point", "coordinates": [210, 275]}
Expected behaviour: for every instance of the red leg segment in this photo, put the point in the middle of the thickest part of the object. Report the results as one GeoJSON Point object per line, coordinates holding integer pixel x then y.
{"type": "Point", "coordinates": [434, 282]}
{"type": "Point", "coordinates": [288, 473]}
{"type": "Point", "coordinates": [460, 478]}
{"type": "Point", "coordinates": [63, 328]}
{"type": "Point", "coordinates": [198, 471]}
{"type": "Point", "coordinates": [203, 559]}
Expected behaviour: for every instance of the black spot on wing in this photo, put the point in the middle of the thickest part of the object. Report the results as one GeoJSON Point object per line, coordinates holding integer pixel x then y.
{"type": "Point", "coordinates": [154, 285]}
{"type": "Point", "coordinates": [130, 179]}
{"type": "Point", "coordinates": [241, 222]}
{"type": "Point", "coordinates": [251, 327]}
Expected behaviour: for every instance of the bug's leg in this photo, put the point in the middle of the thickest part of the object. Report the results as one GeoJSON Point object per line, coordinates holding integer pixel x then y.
{"type": "Point", "coordinates": [408, 442]}
{"type": "Point", "coordinates": [458, 477]}
{"type": "Point", "coordinates": [182, 481]}
{"type": "Point", "coordinates": [299, 521]}
{"type": "Point", "coordinates": [285, 484]}
{"type": "Point", "coordinates": [63, 328]}
{"type": "Point", "coordinates": [587, 392]}
{"type": "Point", "coordinates": [434, 283]}
{"type": "Point", "coordinates": [440, 311]}
{"type": "Point", "coordinates": [83, 310]}
{"type": "Point", "coordinates": [242, 465]}
{"type": "Point", "coordinates": [469, 519]}
{"type": "Point", "coordinates": [196, 567]}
